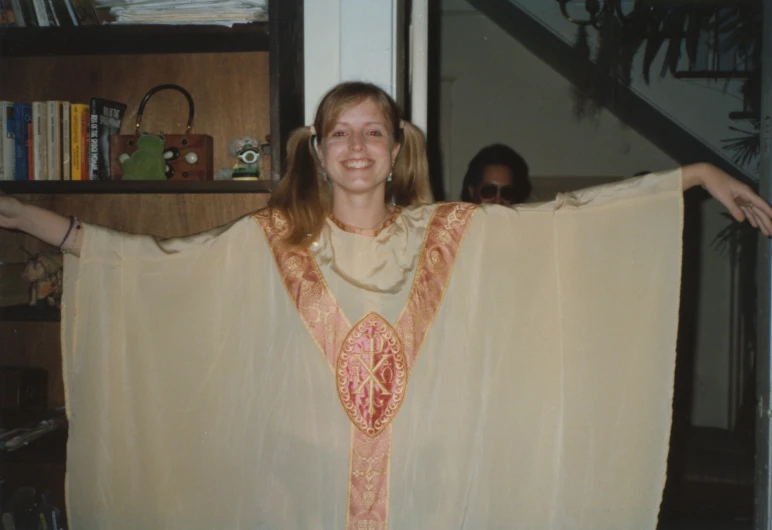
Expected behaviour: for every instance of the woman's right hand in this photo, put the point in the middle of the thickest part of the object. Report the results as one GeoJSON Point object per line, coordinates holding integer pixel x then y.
{"type": "Point", "coordinates": [10, 211]}
{"type": "Point", "coordinates": [64, 233]}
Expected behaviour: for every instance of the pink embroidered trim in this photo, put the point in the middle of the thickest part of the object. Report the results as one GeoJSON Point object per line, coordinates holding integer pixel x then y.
{"type": "Point", "coordinates": [306, 287]}
{"type": "Point", "coordinates": [372, 360]}
{"type": "Point", "coordinates": [441, 245]}
{"type": "Point", "coordinates": [368, 487]}
{"type": "Point", "coordinates": [364, 231]}
{"type": "Point", "coordinates": [371, 374]}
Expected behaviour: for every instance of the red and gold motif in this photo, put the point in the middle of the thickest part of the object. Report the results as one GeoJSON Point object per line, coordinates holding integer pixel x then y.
{"type": "Point", "coordinates": [371, 360]}
{"type": "Point", "coordinates": [368, 498]}
{"type": "Point", "coordinates": [306, 287]}
{"type": "Point", "coordinates": [372, 374]}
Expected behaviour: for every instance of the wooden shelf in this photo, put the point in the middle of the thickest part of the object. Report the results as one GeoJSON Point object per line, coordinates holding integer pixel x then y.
{"type": "Point", "coordinates": [132, 40]}
{"type": "Point", "coordinates": [136, 186]}
{"type": "Point", "coordinates": [25, 312]}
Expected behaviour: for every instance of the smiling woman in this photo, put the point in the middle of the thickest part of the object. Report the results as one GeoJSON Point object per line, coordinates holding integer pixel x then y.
{"type": "Point", "coordinates": [357, 157]}
{"type": "Point", "coordinates": [357, 161]}
{"type": "Point", "coordinates": [356, 376]}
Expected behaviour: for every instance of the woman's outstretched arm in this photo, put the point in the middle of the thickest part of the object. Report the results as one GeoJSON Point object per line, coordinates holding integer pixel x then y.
{"type": "Point", "coordinates": [54, 229]}
{"type": "Point", "coordinates": [741, 201]}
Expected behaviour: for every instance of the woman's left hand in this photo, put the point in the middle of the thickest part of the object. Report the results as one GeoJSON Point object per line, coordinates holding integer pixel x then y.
{"type": "Point", "coordinates": [741, 201]}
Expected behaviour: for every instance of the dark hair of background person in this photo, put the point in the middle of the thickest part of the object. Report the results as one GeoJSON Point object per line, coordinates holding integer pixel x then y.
{"type": "Point", "coordinates": [497, 155]}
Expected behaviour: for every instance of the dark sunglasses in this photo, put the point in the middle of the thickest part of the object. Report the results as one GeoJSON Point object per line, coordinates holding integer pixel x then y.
{"type": "Point", "coordinates": [489, 191]}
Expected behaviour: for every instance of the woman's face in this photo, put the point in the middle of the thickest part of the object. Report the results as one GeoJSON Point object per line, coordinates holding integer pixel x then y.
{"type": "Point", "coordinates": [496, 186]}
{"type": "Point", "coordinates": [359, 151]}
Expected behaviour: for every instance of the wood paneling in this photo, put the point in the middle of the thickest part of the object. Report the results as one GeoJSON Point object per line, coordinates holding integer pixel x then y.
{"type": "Point", "coordinates": [35, 344]}
{"type": "Point", "coordinates": [230, 90]}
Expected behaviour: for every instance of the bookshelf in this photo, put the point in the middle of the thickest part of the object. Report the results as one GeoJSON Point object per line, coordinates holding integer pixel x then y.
{"type": "Point", "coordinates": [245, 81]}
{"type": "Point", "coordinates": [25, 313]}
{"type": "Point", "coordinates": [133, 40]}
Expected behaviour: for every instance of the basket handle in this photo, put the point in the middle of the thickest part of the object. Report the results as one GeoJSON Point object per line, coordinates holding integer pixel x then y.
{"type": "Point", "coordinates": [191, 107]}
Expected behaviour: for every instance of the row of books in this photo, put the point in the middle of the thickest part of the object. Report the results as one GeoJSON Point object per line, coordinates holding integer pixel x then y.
{"type": "Point", "coordinates": [47, 13]}
{"type": "Point", "coordinates": [58, 140]}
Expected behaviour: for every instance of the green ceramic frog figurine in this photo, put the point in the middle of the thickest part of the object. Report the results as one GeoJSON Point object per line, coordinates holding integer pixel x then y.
{"type": "Point", "coordinates": [147, 162]}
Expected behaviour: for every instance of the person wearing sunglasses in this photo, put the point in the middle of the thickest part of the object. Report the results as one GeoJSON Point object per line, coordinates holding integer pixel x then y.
{"type": "Point", "coordinates": [496, 175]}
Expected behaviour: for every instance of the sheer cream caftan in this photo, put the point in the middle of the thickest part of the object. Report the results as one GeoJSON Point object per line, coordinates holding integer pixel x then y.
{"type": "Point", "coordinates": [540, 399]}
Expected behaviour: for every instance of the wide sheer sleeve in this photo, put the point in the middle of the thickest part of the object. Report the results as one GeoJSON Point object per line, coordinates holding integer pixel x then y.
{"type": "Point", "coordinates": [618, 264]}
{"type": "Point", "coordinates": [167, 281]}
{"type": "Point", "coordinates": [562, 319]}
{"type": "Point", "coordinates": [160, 372]}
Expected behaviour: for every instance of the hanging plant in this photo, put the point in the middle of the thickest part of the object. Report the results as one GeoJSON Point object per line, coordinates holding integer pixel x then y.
{"type": "Point", "coordinates": [652, 24]}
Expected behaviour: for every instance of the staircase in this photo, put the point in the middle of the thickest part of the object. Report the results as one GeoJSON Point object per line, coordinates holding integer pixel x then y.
{"type": "Point", "coordinates": [689, 113]}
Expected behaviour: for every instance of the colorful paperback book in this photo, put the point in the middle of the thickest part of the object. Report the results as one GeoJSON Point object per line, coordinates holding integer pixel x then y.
{"type": "Point", "coordinates": [105, 121]}
{"type": "Point", "coordinates": [66, 166]}
{"type": "Point", "coordinates": [39, 140]}
{"type": "Point", "coordinates": [41, 13]}
{"type": "Point", "coordinates": [54, 113]}
{"type": "Point", "coordinates": [78, 139]}
{"type": "Point", "coordinates": [23, 127]}
{"type": "Point", "coordinates": [8, 140]}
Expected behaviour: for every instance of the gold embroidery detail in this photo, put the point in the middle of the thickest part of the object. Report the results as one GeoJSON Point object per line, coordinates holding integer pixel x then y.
{"type": "Point", "coordinates": [305, 285]}
{"type": "Point", "coordinates": [438, 255]}
{"type": "Point", "coordinates": [372, 232]}
{"type": "Point", "coordinates": [371, 374]}
{"type": "Point", "coordinates": [369, 480]}
{"type": "Point", "coordinates": [370, 456]}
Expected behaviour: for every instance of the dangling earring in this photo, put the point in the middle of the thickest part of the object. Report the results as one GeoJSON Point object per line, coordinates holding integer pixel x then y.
{"type": "Point", "coordinates": [388, 179]}
{"type": "Point", "coordinates": [324, 175]}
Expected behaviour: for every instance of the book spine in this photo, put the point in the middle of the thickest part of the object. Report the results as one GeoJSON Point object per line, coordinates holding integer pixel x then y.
{"type": "Point", "coordinates": [30, 18]}
{"type": "Point", "coordinates": [39, 141]}
{"type": "Point", "coordinates": [71, 12]}
{"type": "Point", "coordinates": [41, 13]}
{"type": "Point", "coordinates": [18, 13]}
{"type": "Point", "coordinates": [2, 144]}
{"type": "Point", "coordinates": [54, 112]}
{"type": "Point", "coordinates": [30, 153]}
{"type": "Point", "coordinates": [110, 118]}
{"type": "Point", "coordinates": [93, 143]}
{"type": "Point", "coordinates": [66, 167]}
{"type": "Point", "coordinates": [23, 120]}
{"type": "Point", "coordinates": [8, 139]}
{"type": "Point", "coordinates": [85, 133]}
{"type": "Point", "coordinates": [51, 12]}
{"type": "Point", "coordinates": [75, 142]}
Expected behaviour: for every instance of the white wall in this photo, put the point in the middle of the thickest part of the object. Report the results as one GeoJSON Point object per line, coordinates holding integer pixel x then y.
{"type": "Point", "coordinates": [495, 90]}
{"type": "Point", "coordinates": [498, 91]}
{"type": "Point", "coordinates": [700, 106]}
{"type": "Point", "coordinates": [347, 40]}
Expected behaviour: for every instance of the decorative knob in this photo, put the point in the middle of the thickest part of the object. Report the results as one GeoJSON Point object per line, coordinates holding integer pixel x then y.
{"type": "Point", "coordinates": [191, 158]}
{"type": "Point", "coordinates": [172, 153]}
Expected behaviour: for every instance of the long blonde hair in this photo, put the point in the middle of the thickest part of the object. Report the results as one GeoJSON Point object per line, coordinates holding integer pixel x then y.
{"type": "Point", "coordinates": [302, 195]}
